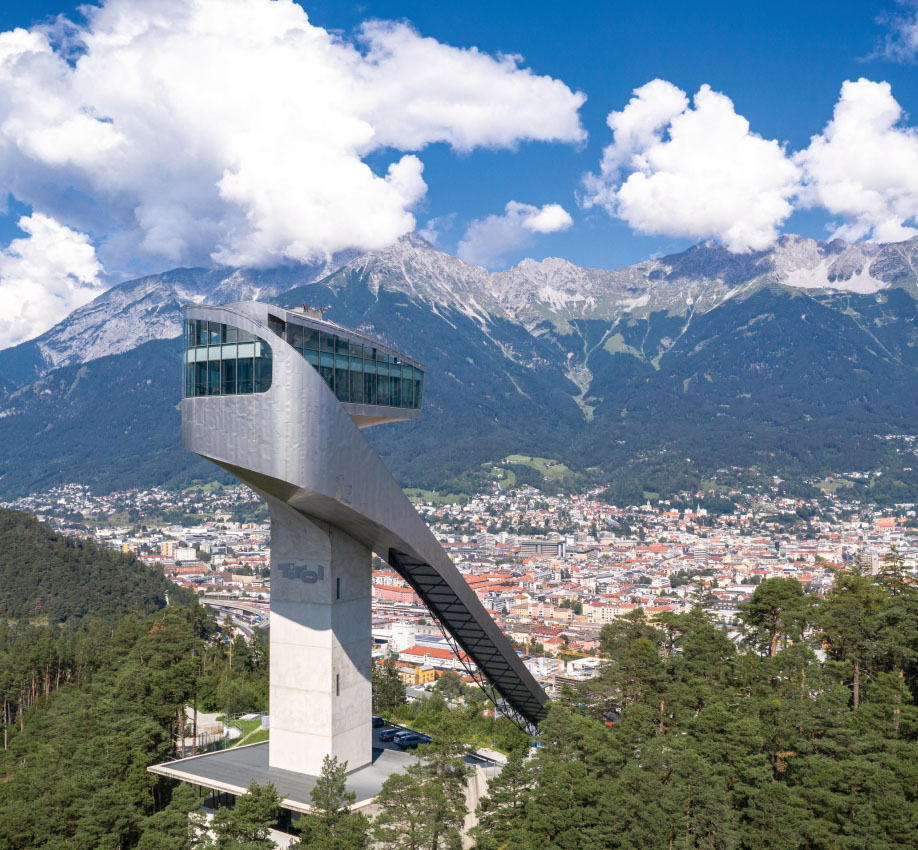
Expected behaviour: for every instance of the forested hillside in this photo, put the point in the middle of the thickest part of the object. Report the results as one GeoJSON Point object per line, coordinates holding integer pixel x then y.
{"type": "Point", "coordinates": [95, 670]}
{"type": "Point", "coordinates": [51, 577]}
{"type": "Point", "coordinates": [114, 421]}
{"type": "Point", "coordinates": [87, 709]}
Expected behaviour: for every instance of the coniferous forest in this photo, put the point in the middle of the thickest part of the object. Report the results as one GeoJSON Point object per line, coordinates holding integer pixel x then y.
{"type": "Point", "coordinates": [49, 577]}
{"type": "Point", "coordinates": [688, 741]}
{"type": "Point", "coordinates": [803, 735]}
{"type": "Point", "coordinates": [93, 683]}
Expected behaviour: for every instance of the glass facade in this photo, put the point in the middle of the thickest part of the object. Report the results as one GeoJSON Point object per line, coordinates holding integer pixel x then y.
{"type": "Point", "coordinates": [223, 360]}
{"type": "Point", "coordinates": [357, 372]}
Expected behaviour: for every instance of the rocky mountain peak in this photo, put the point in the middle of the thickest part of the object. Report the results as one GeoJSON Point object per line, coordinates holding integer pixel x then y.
{"type": "Point", "coordinates": [420, 270]}
{"type": "Point", "coordinates": [145, 309]}
{"type": "Point", "coordinates": [552, 289]}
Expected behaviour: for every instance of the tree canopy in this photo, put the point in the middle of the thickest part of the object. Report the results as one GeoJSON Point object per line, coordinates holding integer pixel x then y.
{"type": "Point", "coordinates": [687, 741]}
{"type": "Point", "coordinates": [52, 577]}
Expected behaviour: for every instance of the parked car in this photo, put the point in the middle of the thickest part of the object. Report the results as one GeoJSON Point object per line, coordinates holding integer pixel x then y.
{"type": "Point", "coordinates": [410, 740]}
{"type": "Point", "coordinates": [390, 733]}
{"type": "Point", "coordinates": [378, 721]}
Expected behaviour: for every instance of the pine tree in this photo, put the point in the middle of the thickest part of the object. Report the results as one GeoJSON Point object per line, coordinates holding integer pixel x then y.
{"type": "Point", "coordinates": [502, 811]}
{"type": "Point", "coordinates": [774, 818]}
{"type": "Point", "coordinates": [778, 611]}
{"type": "Point", "coordinates": [573, 771]}
{"type": "Point", "coordinates": [697, 802]}
{"type": "Point", "coordinates": [388, 688]}
{"type": "Point", "coordinates": [849, 621]}
{"type": "Point", "coordinates": [247, 825]}
{"type": "Point", "coordinates": [173, 828]}
{"type": "Point", "coordinates": [635, 670]}
{"type": "Point", "coordinates": [331, 825]}
{"type": "Point", "coordinates": [893, 573]}
{"type": "Point", "coordinates": [898, 638]}
{"type": "Point", "coordinates": [426, 806]}
{"type": "Point", "coordinates": [403, 822]}
{"type": "Point", "coordinates": [450, 685]}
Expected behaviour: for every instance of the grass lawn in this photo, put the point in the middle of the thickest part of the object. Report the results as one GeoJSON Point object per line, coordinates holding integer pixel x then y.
{"type": "Point", "coordinates": [210, 487]}
{"type": "Point", "coordinates": [714, 487]}
{"type": "Point", "coordinates": [249, 728]}
{"type": "Point", "coordinates": [547, 467]}
{"type": "Point", "coordinates": [257, 737]}
{"type": "Point", "coordinates": [419, 495]}
{"type": "Point", "coordinates": [832, 485]}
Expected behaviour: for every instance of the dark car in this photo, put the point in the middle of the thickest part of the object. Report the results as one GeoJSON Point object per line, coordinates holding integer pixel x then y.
{"type": "Point", "coordinates": [390, 733]}
{"type": "Point", "coordinates": [378, 721]}
{"type": "Point", "coordinates": [410, 740]}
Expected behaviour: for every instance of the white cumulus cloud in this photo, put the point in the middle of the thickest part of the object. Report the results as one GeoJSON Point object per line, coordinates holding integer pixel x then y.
{"type": "Point", "coordinates": [693, 170]}
{"type": "Point", "coordinates": [44, 276]}
{"type": "Point", "coordinates": [488, 241]}
{"type": "Point", "coordinates": [236, 131]}
{"type": "Point", "coordinates": [863, 167]}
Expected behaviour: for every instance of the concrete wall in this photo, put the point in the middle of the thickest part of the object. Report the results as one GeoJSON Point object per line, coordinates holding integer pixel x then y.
{"type": "Point", "coordinates": [321, 664]}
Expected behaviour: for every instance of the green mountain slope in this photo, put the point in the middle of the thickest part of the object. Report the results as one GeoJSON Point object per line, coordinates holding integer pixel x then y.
{"type": "Point", "coordinates": [705, 356]}
{"type": "Point", "coordinates": [776, 372]}
{"type": "Point", "coordinates": [484, 393]}
{"type": "Point", "coordinates": [113, 423]}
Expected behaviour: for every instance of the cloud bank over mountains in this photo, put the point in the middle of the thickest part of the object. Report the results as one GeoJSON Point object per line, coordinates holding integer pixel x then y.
{"type": "Point", "coordinates": [235, 131]}
{"type": "Point", "coordinates": [160, 133]}
{"type": "Point", "coordinates": [698, 170]}
{"type": "Point", "coordinates": [864, 166]}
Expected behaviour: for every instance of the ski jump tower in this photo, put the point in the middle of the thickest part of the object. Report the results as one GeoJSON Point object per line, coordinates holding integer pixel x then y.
{"type": "Point", "coordinates": [278, 398]}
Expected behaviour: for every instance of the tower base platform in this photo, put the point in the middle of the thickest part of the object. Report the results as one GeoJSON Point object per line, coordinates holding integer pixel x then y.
{"type": "Point", "coordinates": [232, 771]}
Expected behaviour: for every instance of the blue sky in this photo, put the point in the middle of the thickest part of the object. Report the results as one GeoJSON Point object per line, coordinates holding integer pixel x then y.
{"type": "Point", "coordinates": [782, 64]}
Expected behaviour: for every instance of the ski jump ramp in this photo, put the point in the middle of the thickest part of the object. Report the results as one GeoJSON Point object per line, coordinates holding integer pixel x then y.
{"type": "Point", "coordinates": [278, 398]}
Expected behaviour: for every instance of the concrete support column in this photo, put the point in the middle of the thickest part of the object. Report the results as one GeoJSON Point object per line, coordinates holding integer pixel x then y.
{"type": "Point", "coordinates": [321, 655]}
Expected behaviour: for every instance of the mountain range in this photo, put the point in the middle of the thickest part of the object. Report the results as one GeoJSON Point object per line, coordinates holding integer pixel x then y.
{"type": "Point", "coordinates": [791, 359]}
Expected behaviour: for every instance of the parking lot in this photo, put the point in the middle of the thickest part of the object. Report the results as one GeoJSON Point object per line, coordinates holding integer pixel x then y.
{"type": "Point", "coordinates": [386, 731]}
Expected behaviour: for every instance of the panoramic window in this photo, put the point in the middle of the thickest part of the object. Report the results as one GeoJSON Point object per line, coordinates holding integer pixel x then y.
{"type": "Point", "coordinates": [357, 373]}
{"type": "Point", "coordinates": [223, 360]}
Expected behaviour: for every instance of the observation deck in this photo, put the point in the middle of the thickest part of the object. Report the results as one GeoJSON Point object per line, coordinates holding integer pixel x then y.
{"type": "Point", "coordinates": [373, 382]}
